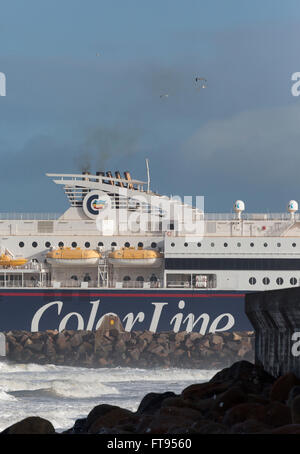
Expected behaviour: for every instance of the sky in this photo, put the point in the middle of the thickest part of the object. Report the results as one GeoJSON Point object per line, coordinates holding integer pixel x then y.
{"type": "Point", "coordinates": [84, 81]}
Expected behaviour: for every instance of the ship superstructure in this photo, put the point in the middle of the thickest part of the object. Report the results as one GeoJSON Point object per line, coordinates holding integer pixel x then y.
{"type": "Point", "coordinates": [117, 234]}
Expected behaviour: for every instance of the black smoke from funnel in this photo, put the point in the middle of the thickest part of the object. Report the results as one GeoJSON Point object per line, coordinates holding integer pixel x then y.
{"type": "Point", "coordinates": [101, 145]}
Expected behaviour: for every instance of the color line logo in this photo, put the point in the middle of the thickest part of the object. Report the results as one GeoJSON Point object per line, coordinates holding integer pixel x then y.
{"type": "Point", "coordinates": [2, 84]}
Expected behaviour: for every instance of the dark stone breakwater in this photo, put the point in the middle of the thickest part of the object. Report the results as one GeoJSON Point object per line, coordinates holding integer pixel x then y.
{"type": "Point", "coordinates": [240, 399]}
{"type": "Point", "coordinates": [143, 349]}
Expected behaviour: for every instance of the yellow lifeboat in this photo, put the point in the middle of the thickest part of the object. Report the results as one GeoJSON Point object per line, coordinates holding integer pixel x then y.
{"type": "Point", "coordinates": [129, 256]}
{"type": "Point", "coordinates": [73, 257]}
{"type": "Point", "coordinates": [7, 261]}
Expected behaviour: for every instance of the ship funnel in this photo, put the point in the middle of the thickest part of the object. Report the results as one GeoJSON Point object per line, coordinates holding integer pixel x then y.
{"type": "Point", "coordinates": [128, 178]}
{"type": "Point", "coordinates": [109, 174]}
{"type": "Point", "coordinates": [118, 175]}
{"type": "Point", "coordinates": [100, 174]}
{"type": "Point", "coordinates": [85, 173]}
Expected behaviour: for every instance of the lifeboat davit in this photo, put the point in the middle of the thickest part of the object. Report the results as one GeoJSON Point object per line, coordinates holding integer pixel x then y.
{"type": "Point", "coordinates": [129, 256]}
{"type": "Point", "coordinates": [7, 261]}
{"type": "Point", "coordinates": [73, 257]}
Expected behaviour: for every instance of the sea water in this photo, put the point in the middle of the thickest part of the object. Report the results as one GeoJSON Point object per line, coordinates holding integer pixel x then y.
{"type": "Point", "coordinates": [63, 394]}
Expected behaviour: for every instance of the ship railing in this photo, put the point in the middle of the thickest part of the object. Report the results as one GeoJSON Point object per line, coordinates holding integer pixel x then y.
{"type": "Point", "coordinates": [29, 216]}
{"type": "Point", "coordinates": [136, 284]}
{"type": "Point", "coordinates": [186, 284]}
{"type": "Point", "coordinates": [250, 216]}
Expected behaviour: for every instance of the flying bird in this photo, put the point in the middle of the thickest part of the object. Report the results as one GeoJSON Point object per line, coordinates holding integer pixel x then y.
{"type": "Point", "coordinates": [97, 54]}
{"type": "Point", "coordinates": [198, 79]}
{"type": "Point", "coordinates": [164, 96]}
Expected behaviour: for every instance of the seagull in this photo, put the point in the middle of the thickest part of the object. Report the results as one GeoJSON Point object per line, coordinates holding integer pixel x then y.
{"type": "Point", "coordinates": [164, 96]}
{"type": "Point", "coordinates": [97, 54]}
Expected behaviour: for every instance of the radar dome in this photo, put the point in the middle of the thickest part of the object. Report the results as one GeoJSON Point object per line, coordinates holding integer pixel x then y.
{"type": "Point", "coordinates": [293, 206]}
{"type": "Point", "coordinates": [239, 206]}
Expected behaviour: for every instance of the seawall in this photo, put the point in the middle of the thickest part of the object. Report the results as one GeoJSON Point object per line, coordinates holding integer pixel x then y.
{"type": "Point", "coordinates": [143, 349]}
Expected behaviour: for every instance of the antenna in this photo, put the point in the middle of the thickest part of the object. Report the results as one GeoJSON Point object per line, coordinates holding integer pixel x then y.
{"type": "Point", "coordinates": [148, 175]}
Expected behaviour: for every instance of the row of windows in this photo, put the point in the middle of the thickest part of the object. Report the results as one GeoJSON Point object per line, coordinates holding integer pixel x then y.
{"type": "Point", "coordinates": [231, 264]}
{"type": "Point", "coordinates": [279, 281]}
{"type": "Point", "coordinates": [86, 244]}
{"type": "Point", "coordinates": [238, 244]}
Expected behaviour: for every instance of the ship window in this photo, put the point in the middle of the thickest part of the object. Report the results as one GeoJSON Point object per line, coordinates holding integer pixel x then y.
{"type": "Point", "coordinates": [212, 244]}
{"type": "Point", "coordinates": [293, 281]}
{"type": "Point", "coordinates": [140, 281]}
{"type": "Point", "coordinates": [140, 244]}
{"type": "Point", "coordinates": [86, 278]}
{"type": "Point", "coordinates": [185, 244]}
{"type": "Point", "coordinates": [113, 243]}
{"type": "Point", "coordinates": [294, 244]}
{"type": "Point", "coordinates": [153, 245]}
{"type": "Point", "coordinates": [251, 244]}
{"type": "Point", "coordinates": [47, 244]}
{"type": "Point", "coordinates": [74, 278]}
{"type": "Point", "coordinates": [252, 281]}
{"type": "Point", "coordinates": [61, 244]}
{"type": "Point", "coordinates": [266, 281]}
{"type": "Point", "coordinates": [278, 244]}
{"type": "Point", "coordinates": [127, 244]}
{"type": "Point", "coordinates": [100, 244]}
{"type": "Point", "coordinates": [74, 244]}
{"type": "Point", "coordinates": [265, 244]}
{"type": "Point", "coordinates": [153, 281]}
{"type": "Point", "coordinates": [238, 244]}
{"type": "Point", "coordinates": [87, 244]}
{"type": "Point", "coordinates": [34, 244]}
{"type": "Point", "coordinates": [225, 244]}
{"type": "Point", "coordinates": [21, 244]}
{"type": "Point", "coordinates": [172, 244]}
{"type": "Point", "coordinates": [126, 281]}
{"type": "Point", "coordinates": [199, 244]}
{"type": "Point", "coordinates": [279, 281]}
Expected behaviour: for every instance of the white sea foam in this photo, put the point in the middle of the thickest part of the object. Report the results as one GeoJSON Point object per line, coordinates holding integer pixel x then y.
{"type": "Point", "coordinates": [63, 394]}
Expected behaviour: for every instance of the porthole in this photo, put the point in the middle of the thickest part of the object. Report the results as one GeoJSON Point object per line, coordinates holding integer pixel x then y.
{"type": "Point", "coordinates": [294, 244]}
{"type": "Point", "coordinates": [238, 244]}
{"type": "Point", "coordinates": [140, 244]}
{"type": "Point", "coordinates": [61, 244]}
{"type": "Point", "coordinates": [173, 244]}
{"type": "Point", "coordinates": [186, 244]}
{"type": "Point", "coordinates": [212, 244]}
{"type": "Point", "coordinates": [113, 243]}
{"type": "Point", "coordinates": [21, 244]}
{"type": "Point", "coordinates": [153, 245]}
{"type": "Point", "coordinates": [252, 281]}
{"type": "Point", "coordinates": [266, 281]}
{"type": "Point", "coordinates": [199, 244]}
{"type": "Point", "coordinates": [47, 244]}
{"type": "Point", "coordinates": [225, 244]}
{"type": "Point", "coordinates": [265, 244]}
{"type": "Point", "coordinates": [87, 244]}
{"type": "Point", "coordinates": [100, 244]}
{"type": "Point", "coordinates": [279, 281]}
{"type": "Point", "coordinates": [74, 244]}
{"type": "Point", "coordinates": [127, 244]}
{"type": "Point", "coordinates": [252, 244]}
{"type": "Point", "coordinates": [34, 244]}
{"type": "Point", "coordinates": [278, 244]}
{"type": "Point", "coordinates": [293, 281]}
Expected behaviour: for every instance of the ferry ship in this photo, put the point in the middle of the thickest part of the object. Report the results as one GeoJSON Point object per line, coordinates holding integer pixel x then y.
{"type": "Point", "coordinates": [156, 262]}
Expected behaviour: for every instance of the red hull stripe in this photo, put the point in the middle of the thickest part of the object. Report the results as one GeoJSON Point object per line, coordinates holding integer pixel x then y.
{"type": "Point", "coordinates": [127, 295]}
